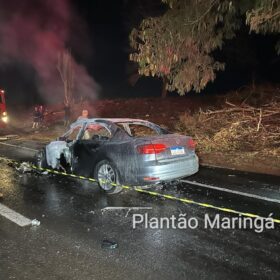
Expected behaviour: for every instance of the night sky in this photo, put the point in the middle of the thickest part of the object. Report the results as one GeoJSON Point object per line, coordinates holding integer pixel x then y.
{"type": "Point", "coordinates": [108, 39]}
{"type": "Point", "coordinates": [246, 56]}
{"type": "Point", "coordinates": [104, 52]}
{"type": "Point", "coordinates": [109, 27]}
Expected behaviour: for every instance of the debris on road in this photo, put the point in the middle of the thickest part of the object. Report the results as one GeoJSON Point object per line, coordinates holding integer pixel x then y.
{"type": "Point", "coordinates": [24, 167]}
{"type": "Point", "coordinates": [107, 244]}
{"type": "Point", "coordinates": [35, 222]}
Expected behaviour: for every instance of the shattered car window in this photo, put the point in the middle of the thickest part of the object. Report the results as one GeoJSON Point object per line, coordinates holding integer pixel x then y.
{"type": "Point", "coordinates": [96, 131]}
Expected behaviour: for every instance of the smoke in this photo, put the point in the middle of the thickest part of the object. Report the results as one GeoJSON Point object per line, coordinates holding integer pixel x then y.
{"type": "Point", "coordinates": [33, 32]}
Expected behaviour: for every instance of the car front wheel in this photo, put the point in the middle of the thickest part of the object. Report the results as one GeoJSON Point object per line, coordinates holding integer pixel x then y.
{"type": "Point", "coordinates": [107, 176]}
{"type": "Point", "coordinates": [41, 159]}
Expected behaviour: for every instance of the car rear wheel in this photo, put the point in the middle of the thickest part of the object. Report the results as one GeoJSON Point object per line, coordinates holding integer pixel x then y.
{"type": "Point", "coordinates": [107, 176]}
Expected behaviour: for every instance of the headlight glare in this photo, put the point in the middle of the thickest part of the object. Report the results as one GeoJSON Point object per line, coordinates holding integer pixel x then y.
{"type": "Point", "coordinates": [5, 119]}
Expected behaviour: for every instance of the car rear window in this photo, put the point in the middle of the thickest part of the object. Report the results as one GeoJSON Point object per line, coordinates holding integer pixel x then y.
{"type": "Point", "coordinates": [138, 130]}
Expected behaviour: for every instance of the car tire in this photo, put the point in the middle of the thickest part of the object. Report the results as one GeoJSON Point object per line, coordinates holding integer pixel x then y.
{"type": "Point", "coordinates": [107, 171]}
{"type": "Point", "coordinates": [41, 159]}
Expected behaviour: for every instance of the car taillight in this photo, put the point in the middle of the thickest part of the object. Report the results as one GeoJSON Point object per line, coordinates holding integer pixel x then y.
{"type": "Point", "coordinates": [151, 149]}
{"type": "Point", "coordinates": [191, 144]}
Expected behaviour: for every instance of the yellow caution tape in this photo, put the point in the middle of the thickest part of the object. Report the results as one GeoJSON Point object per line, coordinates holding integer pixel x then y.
{"type": "Point", "coordinates": [167, 196]}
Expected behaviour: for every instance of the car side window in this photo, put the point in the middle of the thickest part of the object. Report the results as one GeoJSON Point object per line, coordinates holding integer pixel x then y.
{"type": "Point", "coordinates": [96, 131]}
{"type": "Point", "coordinates": [73, 134]}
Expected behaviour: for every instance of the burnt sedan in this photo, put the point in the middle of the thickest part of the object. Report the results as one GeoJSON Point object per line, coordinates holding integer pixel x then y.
{"type": "Point", "coordinates": [121, 151]}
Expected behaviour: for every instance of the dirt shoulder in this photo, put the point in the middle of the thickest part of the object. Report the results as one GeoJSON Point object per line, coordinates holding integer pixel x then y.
{"type": "Point", "coordinates": [250, 162]}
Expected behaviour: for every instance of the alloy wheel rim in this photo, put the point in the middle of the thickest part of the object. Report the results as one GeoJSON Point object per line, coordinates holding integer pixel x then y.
{"type": "Point", "coordinates": [106, 176]}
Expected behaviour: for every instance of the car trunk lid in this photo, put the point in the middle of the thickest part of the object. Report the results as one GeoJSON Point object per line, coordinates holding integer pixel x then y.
{"type": "Point", "coordinates": [170, 146]}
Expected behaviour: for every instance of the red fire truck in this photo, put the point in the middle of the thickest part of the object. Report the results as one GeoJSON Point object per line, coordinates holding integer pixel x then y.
{"type": "Point", "coordinates": [3, 112]}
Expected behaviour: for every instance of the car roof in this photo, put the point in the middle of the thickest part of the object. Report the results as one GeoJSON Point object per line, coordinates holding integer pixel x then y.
{"type": "Point", "coordinates": [113, 120]}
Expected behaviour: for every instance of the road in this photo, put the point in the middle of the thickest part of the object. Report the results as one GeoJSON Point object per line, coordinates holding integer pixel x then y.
{"type": "Point", "coordinates": [76, 217]}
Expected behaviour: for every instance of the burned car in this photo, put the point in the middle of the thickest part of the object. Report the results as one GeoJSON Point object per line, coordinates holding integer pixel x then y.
{"type": "Point", "coordinates": [121, 151]}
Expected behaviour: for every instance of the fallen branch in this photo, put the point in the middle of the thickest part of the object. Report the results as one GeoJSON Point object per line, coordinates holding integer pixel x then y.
{"type": "Point", "coordinates": [228, 111]}
{"type": "Point", "coordinates": [260, 120]}
{"type": "Point", "coordinates": [230, 104]}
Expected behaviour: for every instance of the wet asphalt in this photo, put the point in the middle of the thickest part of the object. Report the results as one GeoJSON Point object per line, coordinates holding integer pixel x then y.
{"type": "Point", "coordinates": [74, 222]}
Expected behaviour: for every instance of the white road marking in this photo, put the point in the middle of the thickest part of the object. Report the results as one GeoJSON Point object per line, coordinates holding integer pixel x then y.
{"type": "Point", "coordinates": [20, 147]}
{"type": "Point", "coordinates": [232, 191]}
{"type": "Point", "coordinates": [14, 216]}
{"type": "Point", "coordinates": [126, 208]}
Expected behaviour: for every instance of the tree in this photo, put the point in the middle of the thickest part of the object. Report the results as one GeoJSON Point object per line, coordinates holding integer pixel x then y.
{"type": "Point", "coordinates": [65, 69]}
{"type": "Point", "coordinates": [177, 46]}
{"type": "Point", "coordinates": [265, 18]}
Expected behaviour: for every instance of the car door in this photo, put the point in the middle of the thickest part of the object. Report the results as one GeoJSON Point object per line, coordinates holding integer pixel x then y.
{"type": "Point", "coordinates": [63, 147]}
{"type": "Point", "coordinates": [90, 148]}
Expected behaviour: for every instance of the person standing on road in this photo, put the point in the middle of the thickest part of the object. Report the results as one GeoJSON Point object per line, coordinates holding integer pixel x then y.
{"type": "Point", "coordinates": [42, 114]}
{"type": "Point", "coordinates": [36, 117]}
{"type": "Point", "coordinates": [67, 115]}
{"type": "Point", "coordinates": [84, 115]}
